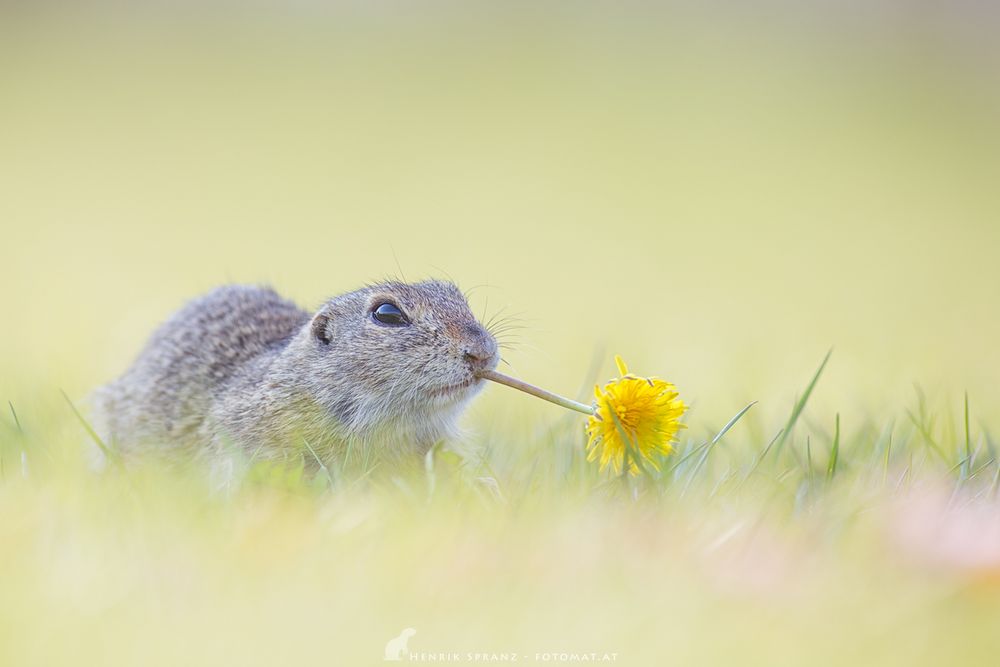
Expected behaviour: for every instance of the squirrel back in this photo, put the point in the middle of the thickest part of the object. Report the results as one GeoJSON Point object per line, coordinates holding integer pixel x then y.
{"type": "Point", "coordinates": [190, 360]}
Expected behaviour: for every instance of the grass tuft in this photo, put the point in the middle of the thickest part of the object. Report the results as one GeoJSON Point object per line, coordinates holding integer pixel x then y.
{"type": "Point", "coordinates": [799, 406]}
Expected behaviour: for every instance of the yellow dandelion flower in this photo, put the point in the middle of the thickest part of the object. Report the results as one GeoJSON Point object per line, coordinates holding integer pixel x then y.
{"type": "Point", "coordinates": [636, 416]}
{"type": "Point", "coordinates": [633, 418]}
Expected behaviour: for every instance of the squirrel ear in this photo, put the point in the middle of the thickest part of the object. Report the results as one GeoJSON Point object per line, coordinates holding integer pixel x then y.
{"type": "Point", "coordinates": [319, 328]}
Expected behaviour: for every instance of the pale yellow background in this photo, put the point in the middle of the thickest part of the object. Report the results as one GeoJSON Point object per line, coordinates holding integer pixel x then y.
{"type": "Point", "coordinates": [719, 197]}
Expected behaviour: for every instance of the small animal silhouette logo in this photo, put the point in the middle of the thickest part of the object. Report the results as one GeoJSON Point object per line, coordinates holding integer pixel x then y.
{"type": "Point", "coordinates": [396, 647]}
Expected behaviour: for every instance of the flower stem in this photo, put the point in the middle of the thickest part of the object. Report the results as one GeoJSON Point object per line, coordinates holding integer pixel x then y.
{"type": "Point", "coordinates": [535, 391]}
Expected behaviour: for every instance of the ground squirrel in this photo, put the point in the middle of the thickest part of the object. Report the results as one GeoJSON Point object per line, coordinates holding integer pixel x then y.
{"type": "Point", "coordinates": [389, 366]}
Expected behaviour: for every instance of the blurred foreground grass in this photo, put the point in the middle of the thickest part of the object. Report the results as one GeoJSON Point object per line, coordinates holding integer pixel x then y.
{"type": "Point", "coordinates": [749, 551]}
{"type": "Point", "coordinates": [716, 196]}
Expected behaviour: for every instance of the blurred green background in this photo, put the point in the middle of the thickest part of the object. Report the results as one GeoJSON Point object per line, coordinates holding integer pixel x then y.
{"type": "Point", "coordinates": [719, 195]}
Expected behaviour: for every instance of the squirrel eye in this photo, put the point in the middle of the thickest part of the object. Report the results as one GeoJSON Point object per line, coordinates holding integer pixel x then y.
{"type": "Point", "coordinates": [389, 314]}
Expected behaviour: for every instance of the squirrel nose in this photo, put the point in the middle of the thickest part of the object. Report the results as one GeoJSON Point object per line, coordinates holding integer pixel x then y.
{"type": "Point", "coordinates": [480, 351]}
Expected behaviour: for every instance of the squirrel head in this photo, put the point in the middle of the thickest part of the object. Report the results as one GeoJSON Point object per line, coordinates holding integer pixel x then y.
{"type": "Point", "coordinates": [397, 357]}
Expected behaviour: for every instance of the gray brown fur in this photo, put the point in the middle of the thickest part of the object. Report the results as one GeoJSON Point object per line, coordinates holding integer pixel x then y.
{"type": "Point", "coordinates": [243, 367]}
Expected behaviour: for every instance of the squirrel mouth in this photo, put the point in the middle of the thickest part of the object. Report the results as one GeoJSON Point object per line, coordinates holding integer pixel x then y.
{"type": "Point", "coordinates": [452, 389]}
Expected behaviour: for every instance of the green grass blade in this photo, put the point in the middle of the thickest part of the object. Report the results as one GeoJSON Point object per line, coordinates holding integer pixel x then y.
{"type": "Point", "coordinates": [809, 460]}
{"type": "Point", "coordinates": [732, 422]}
{"type": "Point", "coordinates": [800, 405]}
{"type": "Point", "coordinates": [13, 413]}
{"type": "Point", "coordinates": [926, 435]}
{"type": "Point", "coordinates": [831, 469]}
{"type": "Point", "coordinates": [708, 448]}
{"type": "Point", "coordinates": [885, 461]}
{"type": "Point", "coordinates": [757, 461]}
{"type": "Point", "coordinates": [982, 468]}
{"type": "Point", "coordinates": [108, 452]}
{"type": "Point", "coordinates": [688, 455]}
{"type": "Point", "coordinates": [968, 442]}
{"type": "Point", "coordinates": [322, 466]}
